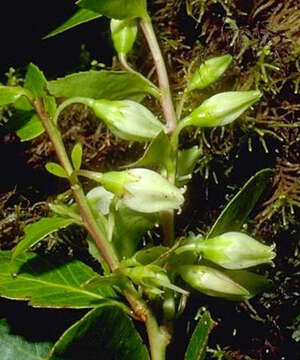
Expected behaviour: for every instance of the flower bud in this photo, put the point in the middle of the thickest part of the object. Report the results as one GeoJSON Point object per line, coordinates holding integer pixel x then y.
{"type": "Point", "coordinates": [235, 250]}
{"type": "Point", "coordinates": [141, 190]}
{"type": "Point", "coordinates": [127, 119]}
{"type": "Point", "coordinates": [209, 72]}
{"type": "Point", "coordinates": [212, 282]}
{"type": "Point", "coordinates": [123, 34]}
{"type": "Point", "coordinates": [222, 109]}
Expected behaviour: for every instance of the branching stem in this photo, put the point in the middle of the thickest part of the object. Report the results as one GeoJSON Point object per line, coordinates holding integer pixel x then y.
{"type": "Point", "coordinates": [88, 218]}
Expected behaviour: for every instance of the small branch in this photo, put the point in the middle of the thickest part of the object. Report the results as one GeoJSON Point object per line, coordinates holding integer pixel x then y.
{"type": "Point", "coordinates": [89, 221]}
{"type": "Point", "coordinates": [166, 97]}
{"type": "Point", "coordinates": [158, 338]}
{"type": "Point", "coordinates": [124, 63]}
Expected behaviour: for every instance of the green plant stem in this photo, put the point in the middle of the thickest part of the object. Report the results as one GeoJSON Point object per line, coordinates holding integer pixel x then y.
{"type": "Point", "coordinates": [124, 63]}
{"type": "Point", "coordinates": [158, 340]}
{"type": "Point", "coordinates": [164, 85]}
{"type": "Point", "coordinates": [169, 114]}
{"type": "Point", "coordinates": [89, 221]}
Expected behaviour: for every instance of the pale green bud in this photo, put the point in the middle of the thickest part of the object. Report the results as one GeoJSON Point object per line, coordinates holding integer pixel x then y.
{"type": "Point", "coordinates": [235, 250]}
{"type": "Point", "coordinates": [128, 119]}
{"type": "Point", "coordinates": [212, 282]}
{"type": "Point", "coordinates": [209, 72]}
{"type": "Point", "coordinates": [123, 34]}
{"type": "Point", "coordinates": [141, 190]}
{"type": "Point", "coordinates": [222, 109]}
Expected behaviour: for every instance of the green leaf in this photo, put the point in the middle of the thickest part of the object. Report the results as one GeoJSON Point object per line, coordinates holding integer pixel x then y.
{"type": "Point", "coordinates": [129, 228]}
{"type": "Point", "coordinates": [296, 328]}
{"type": "Point", "coordinates": [96, 254]}
{"type": "Point", "coordinates": [9, 95]}
{"type": "Point", "coordinates": [17, 347]}
{"type": "Point", "coordinates": [50, 283]}
{"type": "Point", "coordinates": [197, 347]}
{"type": "Point", "coordinates": [35, 81]}
{"type": "Point", "coordinates": [77, 156]}
{"type": "Point", "coordinates": [25, 121]}
{"type": "Point", "coordinates": [116, 9]}
{"type": "Point", "coordinates": [110, 85]}
{"type": "Point", "coordinates": [38, 231]}
{"type": "Point", "coordinates": [106, 333]}
{"type": "Point", "coordinates": [108, 280]}
{"type": "Point", "coordinates": [233, 217]}
{"type": "Point", "coordinates": [80, 17]}
{"type": "Point", "coordinates": [159, 153]}
{"type": "Point", "coordinates": [187, 160]}
{"type": "Point", "coordinates": [57, 170]}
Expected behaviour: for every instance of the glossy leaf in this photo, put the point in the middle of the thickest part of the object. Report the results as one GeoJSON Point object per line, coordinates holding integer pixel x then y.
{"type": "Point", "coordinates": [187, 160]}
{"type": "Point", "coordinates": [158, 154]}
{"type": "Point", "coordinates": [35, 81]}
{"type": "Point", "coordinates": [106, 333]}
{"type": "Point", "coordinates": [80, 17]}
{"type": "Point", "coordinates": [56, 169]}
{"type": "Point", "coordinates": [77, 156]}
{"type": "Point", "coordinates": [110, 85]}
{"type": "Point", "coordinates": [233, 217]}
{"type": "Point", "coordinates": [197, 347]}
{"type": "Point", "coordinates": [18, 347]}
{"type": "Point", "coordinates": [24, 121]}
{"type": "Point", "coordinates": [123, 33]}
{"type": "Point", "coordinates": [9, 95]}
{"type": "Point", "coordinates": [38, 231]}
{"type": "Point", "coordinates": [49, 283]}
{"type": "Point", "coordinates": [116, 9]}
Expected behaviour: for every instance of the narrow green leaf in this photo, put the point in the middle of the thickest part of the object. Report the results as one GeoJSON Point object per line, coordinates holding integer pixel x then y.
{"type": "Point", "coordinates": [296, 328]}
{"type": "Point", "coordinates": [197, 347]}
{"type": "Point", "coordinates": [110, 85]}
{"type": "Point", "coordinates": [129, 228]}
{"type": "Point", "coordinates": [159, 153]}
{"type": "Point", "coordinates": [80, 17]}
{"type": "Point", "coordinates": [77, 156]}
{"type": "Point", "coordinates": [56, 169]}
{"type": "Point", "coordinates": [108, 280]}
{"type": "Point", "coordinates": [25, 121]}
{"type": "Point", "coordinates": [116, 9]}
{"type": "Point", "coordinates": [38, 231]}
{"type": "Point", "coordinates": [96, 254]}
{"type": "Point", "coordinates": [50, 283]}
{"type": "Point", "coordinates": [18, 347]}
{"type": "Point", "coordinates": [35, 81]}
{"type": "Point", "coordinates": [239, 208]}
{"type": "Point", "coordinates": [9, 95]}
{"type": "Point", "coordinates": [32, 127]}
{"type": "Point", "coordinates": [187, 160]}
{"type": "Point", "coordinates": [105, 331]}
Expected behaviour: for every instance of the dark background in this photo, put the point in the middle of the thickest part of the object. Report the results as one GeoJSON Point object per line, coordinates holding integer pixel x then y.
{"type": "Point", "coordinates": [23, 24]}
